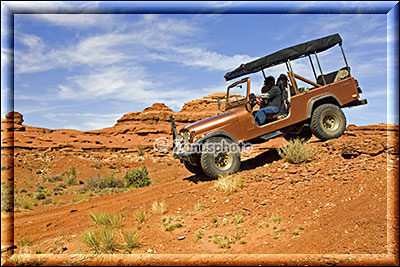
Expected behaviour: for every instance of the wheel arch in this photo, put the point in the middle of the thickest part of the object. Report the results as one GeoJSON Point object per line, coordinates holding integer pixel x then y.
{"type": "Point", "coordinates": [320, 100]}
{"type": "Point", "coordinates": [216, 134]}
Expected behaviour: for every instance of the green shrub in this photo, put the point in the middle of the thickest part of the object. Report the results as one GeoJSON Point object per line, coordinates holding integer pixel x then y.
{"type": "Point", "coordinates": [140, 215]}
{"type": "Point", "coordinates": [140, 151]}
{"type": "Point", "coordinates": [171, 222]}
{"type": "Point", "coordinates": [40, 196]}
{"type": "Point", "coordinates": [131, 240]}
{"type": "Point", "coordinates": [199, 207]}
{"type": "Point", "coordinates": [219, 240]}
{"type": "Point", "coordinates": [25, 241]}
{"type": "Point", "coordinates": [6, 198]}
{"type": "Point", "coordinates": [99, 183]}
{"type": "Point", "coordinates": [238, 219]}
{"type": "Point", "coordinates": [52, 179]}
{"type": "Point", "coordinates": [106, 219]}
{"type": "Point", "coordinates": [137, 178]}
{"type": "Point", "coordinates": [198, 235]}
{"type": "Point", "coordinates": [92, 240]}
{"type": "Point", "coordinates": [26, 203]}
{"type": "Point", "coordinates": [108, 240]}
{"type": "Point", "coordinates": [296, 151]}
{"type": "Point", "coordinates": [71, 176]}
{"type": "Point", "coordinates": [47, 201]}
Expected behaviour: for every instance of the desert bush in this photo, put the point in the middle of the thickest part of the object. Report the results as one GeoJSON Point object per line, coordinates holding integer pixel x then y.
{"type": "Point", "coordinates": [91, 239]}
{"type": "Point", "coordinates": [238, 219]}
{"type": "Point", "coordinates": [26, 203]}
{"type": "Point", "coordinates": [40, 196]}
{"type": "Point", "coordinates": [71, 175]}
{"type": "Point", "coordinates": [58, 190]}
{"type": "Point", "coordinates": [228, 184]}
{"type": "Point", "coordinates": [131, 240]}
{"type": "Point", "coordinates": [296, 151]}
{"type": "Point", "coordinates": [52, 179]}
{"type": "Point", "coordinates": [140, 215]}
{"type": "Point", "coordinates": [108, 240]}
{"type": "Point", "coordinates": [199, 207]}
{"type": "Point", "coordinates": [39, 188]}
{"type": "Point", "coordinates": [159, 208]}
{"type": "Point", "coordinates": [219, 240]}
{"type": "Point", "coordinates": [140, 151]}
{"type": "Point", "coordinates": [106, 219]}
{"type": "Point", "coordinates": [6, 198]}
{"type": "Point", "coordinates": [25, 241]}
{"type": "Point", "coordinates": [137, 178]}
{"type": "Point", "coordinates": [198, 235]}
{"type": "Point", "coordinates": [171, 222]}
{"type": "Point", "coordinates": [99, 183]}
{"type": "Point", "coordinates": [47, 201]}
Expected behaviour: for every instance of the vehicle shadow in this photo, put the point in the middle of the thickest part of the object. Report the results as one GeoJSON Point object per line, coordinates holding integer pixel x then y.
{"type": "Point", "coordinates": [195, 178]}
{"type": "Point", "coordinates": [268, 156]}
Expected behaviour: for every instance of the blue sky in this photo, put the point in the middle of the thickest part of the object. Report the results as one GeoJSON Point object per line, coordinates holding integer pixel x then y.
{"type": "Point", "coordinates": [84, 71]}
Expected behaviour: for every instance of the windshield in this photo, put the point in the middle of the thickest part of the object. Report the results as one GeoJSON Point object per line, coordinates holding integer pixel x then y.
{"type": "Point", "coordinates": [237, 92]}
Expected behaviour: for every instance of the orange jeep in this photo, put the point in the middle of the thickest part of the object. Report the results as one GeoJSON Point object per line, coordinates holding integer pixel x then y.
{"type": "Point", "coordinates": [213, 145]}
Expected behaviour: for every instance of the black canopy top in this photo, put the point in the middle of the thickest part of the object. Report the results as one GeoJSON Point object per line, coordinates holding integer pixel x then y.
{"type": "Point", "coordinates": [283, 55]}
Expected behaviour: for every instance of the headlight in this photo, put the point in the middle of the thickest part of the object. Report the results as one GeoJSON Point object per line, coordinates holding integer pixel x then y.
{"type": "Point", "coordinates": [185, 137]}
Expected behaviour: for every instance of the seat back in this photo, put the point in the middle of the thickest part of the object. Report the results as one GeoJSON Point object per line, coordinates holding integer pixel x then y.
{"type": "Point", "coordinates": [285, 96]}
{"type": "Point", "coordinates": [334, 76]}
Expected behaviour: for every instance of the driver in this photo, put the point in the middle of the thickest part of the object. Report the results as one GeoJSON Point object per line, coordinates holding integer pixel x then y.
{"type": "Point", "coordinates": [271, 97]}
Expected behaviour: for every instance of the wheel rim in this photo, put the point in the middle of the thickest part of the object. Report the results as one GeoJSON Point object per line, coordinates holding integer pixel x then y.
{"type": "Point", "coordinates": [223, 161]}
{"type": "Point", "coordinates": [330, 122]}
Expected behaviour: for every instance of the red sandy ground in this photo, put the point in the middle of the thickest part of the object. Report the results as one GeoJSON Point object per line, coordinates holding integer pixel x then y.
{"type": "Point", "coordinates": [339, 198]}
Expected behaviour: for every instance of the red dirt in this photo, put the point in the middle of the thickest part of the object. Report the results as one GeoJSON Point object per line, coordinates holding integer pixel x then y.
{"type": "Point", "coordinates": [337, 203]}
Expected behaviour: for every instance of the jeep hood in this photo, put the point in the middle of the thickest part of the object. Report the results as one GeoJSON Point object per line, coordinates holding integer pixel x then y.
{"type": "Point", "coordinates": [214, 122]}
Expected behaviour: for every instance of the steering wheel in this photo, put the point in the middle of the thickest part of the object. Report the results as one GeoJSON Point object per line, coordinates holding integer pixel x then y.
{"type": "Point", "coordinates": [254, 99]}
{"type": "Point", "coordinates": [258, 100]}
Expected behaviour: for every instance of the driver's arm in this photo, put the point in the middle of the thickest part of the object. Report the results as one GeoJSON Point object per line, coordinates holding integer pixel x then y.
{"type": "Point", "coordinates": [274, 91]}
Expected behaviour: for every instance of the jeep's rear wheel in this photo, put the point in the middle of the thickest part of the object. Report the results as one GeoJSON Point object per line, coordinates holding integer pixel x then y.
{"type": "Point", "coordinates": [220, 157]}
{"type": "Point", "coordinates": [305, 134]}
{"type": "Point", "coordinates": [328, 121]}
{"type": "Point", "coordinates": [196, 169]}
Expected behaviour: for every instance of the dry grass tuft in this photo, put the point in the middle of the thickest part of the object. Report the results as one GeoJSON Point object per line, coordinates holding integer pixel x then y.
{"type": "Point", "coordinates": [159, 208]}
{"type": "Point", "coordinates": [140, 215]}
{"type": "Point", "coordinates": [228, 184]}
{"type": "Point", "coordinates": [296, 151]}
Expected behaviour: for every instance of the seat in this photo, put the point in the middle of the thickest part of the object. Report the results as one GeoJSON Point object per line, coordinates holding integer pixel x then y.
{"type": "Point", "coordinates": [272, 116]}
{"type": "Point", "coordinates": [334, 76]}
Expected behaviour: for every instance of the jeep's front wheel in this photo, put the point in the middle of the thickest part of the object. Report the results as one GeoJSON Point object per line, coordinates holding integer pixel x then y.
{"type": "Point", "coordinates": [220, 156]}
{"type": "Point", "coordinates": [328, 121]}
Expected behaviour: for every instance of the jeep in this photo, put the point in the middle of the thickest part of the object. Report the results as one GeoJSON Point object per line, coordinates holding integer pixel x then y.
{"type": "Point", "coordinates": [208, 146]}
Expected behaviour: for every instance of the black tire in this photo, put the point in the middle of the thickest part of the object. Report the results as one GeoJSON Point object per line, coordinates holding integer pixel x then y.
{"type": "Point", "coordinates": [219, 163]}
{"type": "Point", "coordinates": [305, 134]}
{"type": "Point", "coordinates": [327, 122]}
{"type": "Point", "coordinates": [196, 169]}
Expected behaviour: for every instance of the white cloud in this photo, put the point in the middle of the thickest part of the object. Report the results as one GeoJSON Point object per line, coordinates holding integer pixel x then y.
{"type": "Point", "coordinates": [78, 20]}
{"type": "Point", "coordinates": [152, 38]}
